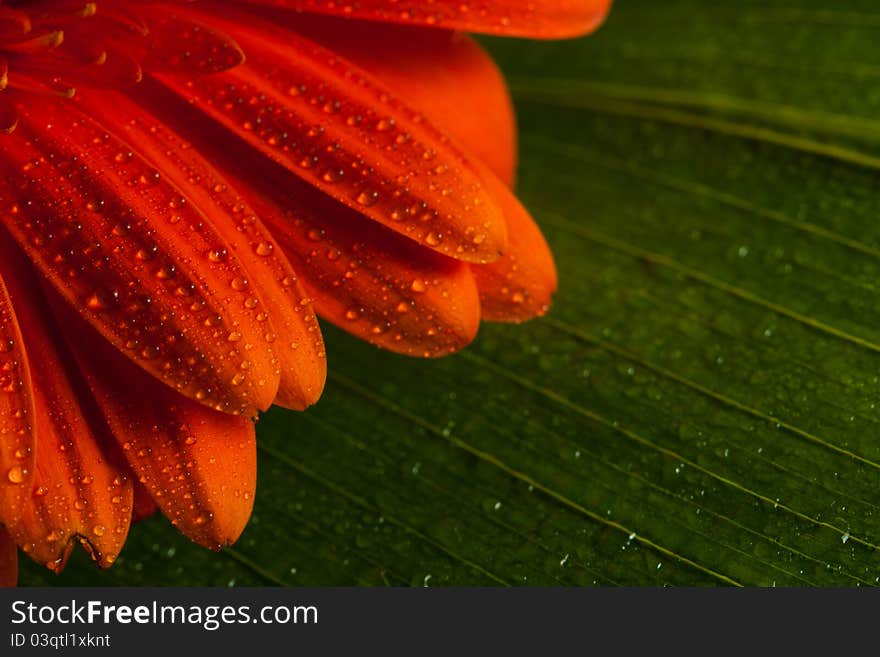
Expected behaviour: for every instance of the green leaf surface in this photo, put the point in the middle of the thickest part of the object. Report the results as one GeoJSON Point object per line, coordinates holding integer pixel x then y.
{"type": "Point", "coordinates": [700, 406]}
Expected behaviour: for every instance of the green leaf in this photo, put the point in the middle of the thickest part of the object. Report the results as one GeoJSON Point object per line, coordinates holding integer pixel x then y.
{"type": "Point", "coordinates": [700, 406]}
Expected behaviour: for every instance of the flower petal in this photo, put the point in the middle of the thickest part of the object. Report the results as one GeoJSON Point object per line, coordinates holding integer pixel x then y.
{"type": "Point", "coordinates": [457, 86]}
{"type": "Point", "coordinates": [198, 465]}
{"type": "Point", "coordinates": [78, 490]}
{"type": "Point", "coordinates": [291, 326]}
{"type": "Point", "coordinates": [460, 79]}
{"type": "Point", "coordinates": [446, 75]}
{"type": "Point", "coordinates": [181, 45]}
{"type": "Point", "coordinates": [125, 247]}
{"type": "Point", "coordinates": [331, 124]}
{"type": "Point", "coordinates": [17, 439]}
{"type": "Point", "coordinates": [144, 505]}
{"type": "Point", "coordinates": [362, 277]}
{"type": "Point", "coordinates": [8, 560]}
{"type": "Point", "coordinates": [372, 283]}
{"type": "Point", "coordinates": [544, 19]}
{"type": "Point", "coordinates": [519, 285]}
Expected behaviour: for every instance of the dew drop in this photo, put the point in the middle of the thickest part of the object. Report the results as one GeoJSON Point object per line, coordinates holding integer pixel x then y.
{"type": "Point", "coordinates": [264, 249]}
{"type": "Point", "coordinates": [16, 474]}
{"type": "Point", "coordinates": [217, 255]}
{"type": "Point", "coordinates": [368, 198]}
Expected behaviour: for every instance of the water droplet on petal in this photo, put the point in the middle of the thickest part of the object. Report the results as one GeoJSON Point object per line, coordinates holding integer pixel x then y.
{"type": "Point", "coordinates": [16, 474]}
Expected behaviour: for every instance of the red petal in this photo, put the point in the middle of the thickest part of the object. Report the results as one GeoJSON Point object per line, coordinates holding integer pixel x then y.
{"type": "Point", "coordinates": [328, 122]}
{"type": "Point", "coordinates": [136, 258]}
{"type": "Point", "coordinates": [17, 440]}
{"type": "Point", "coordinates": [362, 277]}
{"type": "Point", "coordinates": [156, 37]}
{"type": "Point", "coordinates": [519, 285]}
{"type": "Point", "coordinates": [181, 45]}
{"type": "Point", "coordinates": [78, 491]}
{"type": "Point", "coordinates": [8, 560]}
{"type": "Point", "coordinates": [371, 282]}
{"type": "Point", "coordinates": [460, 80]}
{"type": "Point", "coordinates": [446, 75]}
{"type": "Point", "coordinates": [542, 19]}
{"type": "Point", "coordinates": [198, 465]}
{"type": "Point", "coordinates": [457, 86]}
{"type": "Point", "coordinates": [291, 323]}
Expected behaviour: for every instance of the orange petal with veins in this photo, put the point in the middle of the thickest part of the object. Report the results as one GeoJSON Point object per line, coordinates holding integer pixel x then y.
{"type": "Point", "coordinates": [446, 75]}
{"type": "Point", "coordinates": [457, 86]}
{"type": "Point", "coordinates": [333, 125]}
{"type": "Point", "coordinates": [520, 284]}
{"type": "Point", "coordinates": [365, 279]}
{"type": "Point", "coordinates": [17, 439]}
{"type": "Point", "coordinates": [372, 283]}
{"type": "Point", "coordinates": [138, 260]}
{"type": "Point", "coordinates": [78, 491]}
{"type": "Point", "coordinates": [290, 323]}
{"type": "Point", "coordinates": [198, 465]}
{"type": "Point", "coordinates": [538, 19]}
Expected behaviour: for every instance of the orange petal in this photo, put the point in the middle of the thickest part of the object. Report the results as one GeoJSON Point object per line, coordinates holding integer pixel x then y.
{"type": "Point", "coordinates": [8, 560]}
{"type": "Point", "coordinates": [178, 44]}
{"type": "Point", "coordinates": [199, 465]}
{"type": "Point", "coordinates": [446, 75]}
{"type": "Point", "coordinates": [362, 277]}
{"type": "Point", "coordinates": [372, 283]}
{"type": "Point", "coordinates": [125, 247]}
{"type": "Point", "coordinates": [78, 490]}
{"type": "Point", "coordinates": [541, 19]}
{"type": "Point", "coordinates": [457, 86]}
{"type": "Point", "coordinates": [17, 440]}
{"type": "Point", "coordinates": [291, 326]}
{"type": "Point", "coordinates": [144, 505]}
{"type": "Point", "coordinates": [333, 125]}
{"type": "Point", "coordinates": [520, 284]}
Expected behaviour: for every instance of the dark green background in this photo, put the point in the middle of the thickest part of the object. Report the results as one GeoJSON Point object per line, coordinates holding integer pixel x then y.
{"type": "Point", "coordinates": [700, 405]}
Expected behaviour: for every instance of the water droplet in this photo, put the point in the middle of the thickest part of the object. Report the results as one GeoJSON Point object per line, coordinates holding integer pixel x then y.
{"type": "Point", "coordinates": [368, 198]}
{"type": "Point", "coordinates": [264, 249]}
{"type": "Point", "coordinates": [16, 474]}
{"type": "Point", "coordinates": [217, 255]}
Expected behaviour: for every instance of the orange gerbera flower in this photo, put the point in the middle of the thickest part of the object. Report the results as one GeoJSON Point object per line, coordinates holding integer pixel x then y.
{"type": "Point", "coordinates": [185, 185]}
